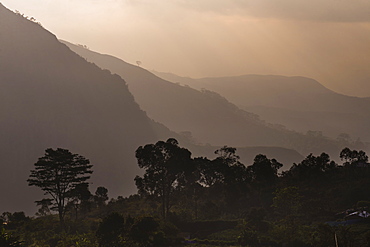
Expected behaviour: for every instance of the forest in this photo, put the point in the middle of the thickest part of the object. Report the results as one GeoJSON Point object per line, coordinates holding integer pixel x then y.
{"type": "Point", "coordinates": [195, 201]}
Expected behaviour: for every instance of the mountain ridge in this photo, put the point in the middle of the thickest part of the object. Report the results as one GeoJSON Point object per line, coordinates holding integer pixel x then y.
{"type": "Point", "coordinates": [272, 97]}
{"type": "Point", "coordinates": [51, 97]}
{"type": "Point", "coordinates": [206, 115]}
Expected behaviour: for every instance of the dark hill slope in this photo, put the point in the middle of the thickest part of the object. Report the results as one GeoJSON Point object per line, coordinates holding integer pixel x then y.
{"type": "Point", "coordinates": [298, 103]}
{"type": "Point", "coordinates": [51, 97]}
{"type": "Point", "coordinates": [208, 116]}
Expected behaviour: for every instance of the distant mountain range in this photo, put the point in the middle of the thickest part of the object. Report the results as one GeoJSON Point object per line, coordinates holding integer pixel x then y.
{"type": "Point", "coordinates": [52, 97]}
{"type": "Point", "coordinates": [204, 115]}
{"type": "Point", "coordinates": [299, 103]}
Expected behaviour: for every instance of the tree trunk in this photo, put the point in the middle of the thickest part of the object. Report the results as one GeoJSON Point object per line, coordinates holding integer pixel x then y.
{"type": "Point", "coordinates": [61, 217]}
{"type": "Point", "coordinates": [164, 206]}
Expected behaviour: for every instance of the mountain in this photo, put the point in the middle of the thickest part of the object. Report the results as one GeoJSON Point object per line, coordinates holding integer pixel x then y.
{"type": "Point", "coordinates": [204, 115]}
{"type": "Point", "coordinates": [299, 103]}
{"type": "Point", "coordinates": [51, 97]}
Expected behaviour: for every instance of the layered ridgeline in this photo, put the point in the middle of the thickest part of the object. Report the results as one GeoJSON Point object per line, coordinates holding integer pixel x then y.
{"type": "Point", "coordinates": [298, 103]}
{"type": "Point", "coordinates": [51, 97]}
{"type": "Point", "coordinates": [203, 114]}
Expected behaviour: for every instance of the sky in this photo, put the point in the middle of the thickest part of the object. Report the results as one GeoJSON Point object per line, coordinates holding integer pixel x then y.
{"type": "Point", "coordinates": [328, 40]}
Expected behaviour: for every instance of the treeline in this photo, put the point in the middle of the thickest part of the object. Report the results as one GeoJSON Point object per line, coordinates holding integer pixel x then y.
{"type": "Point", "coordinates": [198, 201]}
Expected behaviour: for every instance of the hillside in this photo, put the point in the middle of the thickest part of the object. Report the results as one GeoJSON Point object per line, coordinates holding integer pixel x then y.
{"type": "Point", "coordinates": [204, 115]}
{"type": "Point", "coordinates": [299, 103]}
{"type": "Point", "coordinates": [51, 97]}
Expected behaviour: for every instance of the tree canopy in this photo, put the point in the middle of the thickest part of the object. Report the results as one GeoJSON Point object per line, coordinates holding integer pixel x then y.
{"type": "Point", "coordinates": [58, 173]}
{"type": "Point", "coordinates": [166, 168]}
{"type": "Point", "coordinates": [218, 201]}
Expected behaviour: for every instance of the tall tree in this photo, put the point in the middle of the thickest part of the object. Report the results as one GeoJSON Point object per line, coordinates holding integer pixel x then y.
{"type": "Point", "coordinates": [353, 157]}
{"type": "Point", "coordinates": [80, 199]}
{"type": "Point", "coordinates": [312, 168]}
{"type": "Point", "coordinates": [264, 170]}
{"type": "Point", "coordinates": [225, 179]}
{"type": "Point", "coordinates": [166, 169]}
{"type": "Point", "coordinates": [235, 178]}
{"type": "Point", "coordinates": [58, 173]}
{"type": "Point", "coordinates": [233, 170]}
{"type": "Point", "coordinates": [225, 169]}
{"type": "Point", "coordinates": [101, 196]}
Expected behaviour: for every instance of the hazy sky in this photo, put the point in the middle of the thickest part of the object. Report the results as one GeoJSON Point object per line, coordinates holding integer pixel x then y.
{"type": "Point", "coordinates": [328, 40]}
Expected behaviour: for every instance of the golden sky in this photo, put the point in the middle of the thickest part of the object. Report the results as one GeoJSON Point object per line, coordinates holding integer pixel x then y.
{"type": "Point", "coordinates": [328, 40]}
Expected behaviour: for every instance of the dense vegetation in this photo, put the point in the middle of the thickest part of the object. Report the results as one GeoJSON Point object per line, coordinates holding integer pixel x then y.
{"type": "Point", "coordinates": [201, 202]}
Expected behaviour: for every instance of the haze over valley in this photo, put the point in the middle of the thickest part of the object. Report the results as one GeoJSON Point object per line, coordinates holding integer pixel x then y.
{"type": "Point", "coordinates": [184, 123]}
{"type": "Point", "coordinates": [56, 92]}
{"type": "Point", "coordinates": [298, 103]}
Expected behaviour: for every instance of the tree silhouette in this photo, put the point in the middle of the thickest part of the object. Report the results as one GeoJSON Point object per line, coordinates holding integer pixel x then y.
{"type": "Point", "coordinates": [264, 170]}
{"type": "Point", "coordinates": [166, 167]}
{"type": "Point", "coordinates": [45, 207]}
{"type": "Point", "coordinates": [312, 167]}
{"type": "Point", "coordinates": [80, 199]}
{"type": "Point", "coordinates": [58, 173]}
{"type": "Point", "coordinates": [231, 175]}
{"type": "Point", "coordinates": [101, 196]}
{"type": "Point", "coordinates": [353, 157]}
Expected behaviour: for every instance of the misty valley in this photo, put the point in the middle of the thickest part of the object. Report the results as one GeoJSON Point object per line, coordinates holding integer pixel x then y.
{"type": "Point", "coordinates": [95, 151]}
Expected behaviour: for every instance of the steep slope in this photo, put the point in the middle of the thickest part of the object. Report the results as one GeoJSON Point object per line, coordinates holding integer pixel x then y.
{"type": "Point", "coordinates": [51, 97]}
{"type": "Point", "coordinates": [206, 115]}
{"type": "Point", "coordinates": [298, 103]}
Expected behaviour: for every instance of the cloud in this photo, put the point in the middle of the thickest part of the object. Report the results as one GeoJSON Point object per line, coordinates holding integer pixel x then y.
{"type": "Point", "coordinates": [314, 10]}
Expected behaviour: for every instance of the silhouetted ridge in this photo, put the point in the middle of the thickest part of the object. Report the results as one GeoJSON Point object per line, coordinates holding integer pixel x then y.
{"type": "Point", "coordinates": [208, 116]}
{"type": "Point", "coordinates": [204, 115]}
{"type": "Point", "coordinates": [299, 103]}
{"type": "Point", "coordinates": [51, 97]}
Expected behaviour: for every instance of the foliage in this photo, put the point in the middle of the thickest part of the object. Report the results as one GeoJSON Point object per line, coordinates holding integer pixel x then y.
{"type": "Point", "coordinates": [101, 196]}
{"type": "Point", "coordinates": [237, 205]}
{"type": "Point", "coordinates": [45, 207]}
{"type": "Point", "coordinates": [287, 201]}
{"type": "Point", "coordinates": [111, 230]}
{"type": "Point", "coordinates": [353, 157]}
{"type": "Point", "coordinates": [264, 170]}
{"type": "Point", "coordinates": [58, 173]}
{"type": "Point", "coordinates": [166, 168]}
{"type": "Point", "coordinates": [7, 240]}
